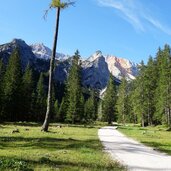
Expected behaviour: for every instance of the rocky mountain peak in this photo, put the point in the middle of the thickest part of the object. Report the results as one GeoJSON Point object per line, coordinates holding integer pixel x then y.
{"type": "Point", "coordinates": [43, 52]}
{"type": "Point", "coordinates": [26, 53]}
{"type": "Point", "coordinates": [19, 42]}
{"type": "Point", "coordinates": [95, 69]}
{"type": "Point", "coordinates": [121, 67]}
{"type": "Point", "coordinates": [95, 56]}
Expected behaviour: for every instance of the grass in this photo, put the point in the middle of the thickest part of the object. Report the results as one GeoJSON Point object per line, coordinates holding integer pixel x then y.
{"type": "Point", "coordinates": [70, 148]}
{"type": "Point", "coordinates": [156, 137]}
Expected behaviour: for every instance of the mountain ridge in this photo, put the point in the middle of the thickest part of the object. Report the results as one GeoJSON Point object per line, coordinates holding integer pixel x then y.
{"type": "Point", "coordinates": [95, 69]}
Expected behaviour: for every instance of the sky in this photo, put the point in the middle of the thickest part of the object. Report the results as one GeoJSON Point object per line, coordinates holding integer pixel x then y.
{"type": "Point", "coordinates": [131, 29]}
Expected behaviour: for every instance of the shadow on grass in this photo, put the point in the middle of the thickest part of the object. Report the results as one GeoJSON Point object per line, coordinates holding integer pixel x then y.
{"type": "Point", "coordinates": [23, 124]}
{"type": "Point", "coordinates": [78, 125]}
{"type": "Point", "coordinates": [53, 144]}
{"type": "Point", "coordinates": [34, 124]}
{"type": "Point", "coordinates": [2, 127]}
{"type": "Point", "coordinates": [60, 164]}
{"type": "Point", "coordinates": [159, 146]}
{"type": "Point", "coordinates": [47, 143]}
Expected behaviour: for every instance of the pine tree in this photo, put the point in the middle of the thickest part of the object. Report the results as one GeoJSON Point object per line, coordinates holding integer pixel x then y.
{"type": "Point", "coordinates": [132, 111]}
{"type": "Point", "coordinates": [133, 94]}
{"type": "Point", "coordinates": [74, 93]}
{"type": "Point", "coordinates": [109, 102]}
{"type": "Point", "coordinates": [90, 109]}
{"type": "Point", "coordinates": [164, 101]}
{"type": "Point", "coordinates": [63, 109]}
{"type": "Point", "coordinates": [158, 97]}
{"type": "Point", "coordinates": [150, 83]}
{"type": "Point", "coordinates": [12, 87]}
{"type": "Point", "coordinates": [81, 107]}
{"type": "Point", "coordinates": [2, 72]}
{"type": "Point", "coordinates": [40, 99]}
{"type": "Point", "coordinates": [122, 101]}
{"type": "Point", "coordinates": [139, 94]}
{"type": "Point", "coordinates": [27, 90]}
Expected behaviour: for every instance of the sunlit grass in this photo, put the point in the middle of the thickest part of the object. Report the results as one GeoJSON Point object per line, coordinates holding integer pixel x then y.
{"type": "Point", "coordinates": [66, 148]}
{"type": "Point", "coordinates": [156, 137]}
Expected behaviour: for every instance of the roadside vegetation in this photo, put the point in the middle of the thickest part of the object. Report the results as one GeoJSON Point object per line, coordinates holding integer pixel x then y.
{"type": "Point", "coordinates": [157, 137]}
{"type": "Point", "coordinates": [64, 147]}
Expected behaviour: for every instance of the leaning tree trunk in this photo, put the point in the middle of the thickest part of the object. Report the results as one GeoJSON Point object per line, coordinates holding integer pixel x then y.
{"type": "Point", "coordinates": [49, 99]}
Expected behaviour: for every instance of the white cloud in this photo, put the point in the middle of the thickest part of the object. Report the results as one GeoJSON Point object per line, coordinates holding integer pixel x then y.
{"type": "Point", "coordinates": [134, 13]}
{"type": "Point", "coordinates": [158, 25]}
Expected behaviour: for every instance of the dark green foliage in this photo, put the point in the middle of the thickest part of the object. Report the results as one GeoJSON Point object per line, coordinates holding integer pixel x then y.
{"type": "Point", "coordinates": [12, 88]}
{"type": "Point", "coordinates": [90, 109]}
{"type": "Point", "coordinates": [132, 102]}
{"type": "Point", "coordinates": [150, 82]}
{"type": "Point", "coordinates": [164, 89]}
{"type": "Point", "coordinates": [74, 92]}
{"type": "Point", "coordinates": [40, 99]}
{"type": "Point", "coordinates": [63, 109]}
{"type": "Point", "coordinates": [109, 102]}
{"type": "Point", "coordinates": [122, 102]}
{"type": "Point", "coordinates": [26, 92]}
{"type": "Point", "coordinates": [151, 91]}
{"type": "Point", "coordinates": [14, 164]}
{"type": "Point", "coordinates": [2, 72]}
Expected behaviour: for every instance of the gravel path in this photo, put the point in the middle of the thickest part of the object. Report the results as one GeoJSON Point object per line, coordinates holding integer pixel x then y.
{"type": "Point", "coordinates": [134, 155]}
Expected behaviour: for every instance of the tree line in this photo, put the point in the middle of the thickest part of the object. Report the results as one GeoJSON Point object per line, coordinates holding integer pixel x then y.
{"type": "Point", "coordinates": [23, 94]}
{"type": "Point", "coordinates": [147, 99]}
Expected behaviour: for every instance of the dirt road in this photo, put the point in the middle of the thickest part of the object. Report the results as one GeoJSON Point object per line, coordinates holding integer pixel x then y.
{"type": "Point", "coordinates": [134, 155]}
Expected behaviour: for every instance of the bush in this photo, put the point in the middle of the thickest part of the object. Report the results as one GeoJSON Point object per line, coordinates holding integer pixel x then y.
{"type": "Point", "coordinates": [14, 164]}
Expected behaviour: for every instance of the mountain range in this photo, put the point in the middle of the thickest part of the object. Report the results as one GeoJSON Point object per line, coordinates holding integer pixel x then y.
{"type": "Point", "coordinates": [95, 69]}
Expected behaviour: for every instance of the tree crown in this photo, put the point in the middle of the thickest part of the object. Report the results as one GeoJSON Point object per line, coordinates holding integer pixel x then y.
{"type": "Point", "coordinates": [59, 4]}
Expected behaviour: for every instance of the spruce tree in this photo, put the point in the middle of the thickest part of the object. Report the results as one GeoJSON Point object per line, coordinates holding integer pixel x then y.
{"type": "Point", "coordinates": [150, 83]}
{"type": "Point", "coordinates": [74, 92]}
{"type": "Point", "coordinates": [90, 109]}
{"type": "Point", "coordinates": [2, 72]}
{"type": "Point", "coordinates": [12, 87]}
{"type": "Point", "coordinates": [139, 94]}
{"type": "Point", "coordinates": [27, 90]}
{"type": "Point", "coordinates": [122, 101]}
{"type": "Point", "coordinates": [109, 102]}
{"type": "Point", "coordinates": [63, 109]}
{"type": "Point", "coordinates": [158, 97]}
{"type": "Point", "coordinates": [164, 101]}
{"type": "Point", "coordinates": [40, 98]}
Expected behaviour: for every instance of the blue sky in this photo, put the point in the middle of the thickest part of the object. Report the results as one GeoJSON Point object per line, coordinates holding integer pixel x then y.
{"type": "Point", "coordinates": [132, 29]}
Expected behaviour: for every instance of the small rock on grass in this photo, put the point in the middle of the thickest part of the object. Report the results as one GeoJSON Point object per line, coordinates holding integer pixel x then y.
{"type": "Point", "coordinates": [15, 131]}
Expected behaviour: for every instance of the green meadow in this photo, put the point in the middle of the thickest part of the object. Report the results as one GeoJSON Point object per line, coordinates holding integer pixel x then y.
{"type": "Point", "coordinates": [157, 137]}
{"type": "Point", "coordinates": [69, 148]}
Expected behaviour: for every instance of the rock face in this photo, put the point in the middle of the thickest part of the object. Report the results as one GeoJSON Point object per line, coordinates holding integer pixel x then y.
{"type": "Point", "coordinates": [95, 70]}
{"type": "Point", "coordinates": [120, 67]}
{"type": "Point", "coordinates": [95, 73]}
{"type": "Point", "coordinates": [43, 52]}
{"type": "Point", "coordinates": [62, 69]}
{"type": "Point", "coordinates": [25, 51]}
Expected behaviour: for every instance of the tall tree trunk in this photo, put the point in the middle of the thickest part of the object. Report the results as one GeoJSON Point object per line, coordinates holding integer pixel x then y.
{"type": "Point", "coordinates": [49, 99]}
